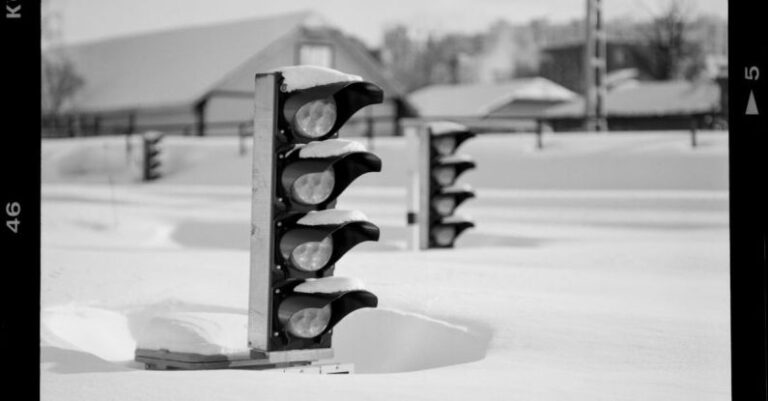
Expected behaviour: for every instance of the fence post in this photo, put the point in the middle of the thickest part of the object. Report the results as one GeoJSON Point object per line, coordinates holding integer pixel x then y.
{"type": "Point", "coordinates": [369, 129]}
{"type": "Point", "coordinates": [539, 132]}
{"type": "Point", "coordinates": [241, 138]}
{"type": "Point", "coordinates": [694, 128]}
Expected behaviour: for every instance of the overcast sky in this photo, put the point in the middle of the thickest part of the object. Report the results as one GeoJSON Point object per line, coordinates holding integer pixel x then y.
{"type": "Point", "coordinates": [87, 19]}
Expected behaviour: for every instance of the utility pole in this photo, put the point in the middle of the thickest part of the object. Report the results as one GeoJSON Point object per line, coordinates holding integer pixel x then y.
{"type": "Point", "coordinates": [594, 68]}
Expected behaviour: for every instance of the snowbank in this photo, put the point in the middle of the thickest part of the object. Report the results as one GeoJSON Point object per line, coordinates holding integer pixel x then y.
{"type": "Point", "coordinates": [204, 333]}
{"type": "Point", "coordinates": [330, 285]}
{"type": "Point", "coordinates": [329, 148]}
{"type": "Point", "coordinates": [332, 216]}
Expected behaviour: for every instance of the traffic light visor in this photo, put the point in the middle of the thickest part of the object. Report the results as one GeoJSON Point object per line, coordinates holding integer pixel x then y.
{"type": "Point", "coordinates": [311, 314]}
{"type": "Point", "coordinates": [318, 112]}
{"type": "Point", "coordinates": [310, 247]}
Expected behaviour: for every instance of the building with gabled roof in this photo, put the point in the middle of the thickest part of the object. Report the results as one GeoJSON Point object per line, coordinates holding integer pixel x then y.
{"type": "Point", "coordinates": [525, 97]}
{"type": "Point", "coordinates": [649, 105]}
{"type": "Point", "coordinates": [199, 80]}
{"type": "Point", "coordinates": [513, 105]}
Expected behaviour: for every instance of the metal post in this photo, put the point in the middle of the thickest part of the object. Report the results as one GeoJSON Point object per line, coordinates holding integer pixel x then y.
{"type": "Point", "coordinates": [71, 125]}
{"type": "Point", "coordinates": [369, 127]}
{"type": "Point", "coordinates": [200, 125]}
{"type": "Point", "coordinates": [594, 68]}
{"type": "Point", "coordinates": [411, 132]}
{"type": "Point", "coordinates": [261, 258]}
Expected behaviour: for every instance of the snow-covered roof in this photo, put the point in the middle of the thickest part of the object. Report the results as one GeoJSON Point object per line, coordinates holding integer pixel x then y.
{"type": "Point", "coordinates": [299, 77]}
{"type": "Point", "coordinates": [478, 100]}
{"type": "Point", "coordinates": [330, 148]}
{"type": "Point", "coordinates": [176, 68]}
{"type": "Point", "coordinates": [170, 68]}
{"type": "Point", "coordinates": [332, 216]}
{"type": "Point", "coordinates": [651, 99]}
{"type": "Point", "coordinates": [329, 285]}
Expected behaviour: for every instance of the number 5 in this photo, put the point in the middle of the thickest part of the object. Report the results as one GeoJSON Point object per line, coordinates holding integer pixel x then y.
{"type": "Point", "coordinates": [751, 73]}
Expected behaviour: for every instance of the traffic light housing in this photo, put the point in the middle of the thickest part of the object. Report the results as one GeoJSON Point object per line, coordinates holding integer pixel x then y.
{"type": "Point", "coordinates": [297, 235]}
{"type": "Point", "coordinates": [434, 193]}
{"type": "Point", "coordinates": [151, 152]}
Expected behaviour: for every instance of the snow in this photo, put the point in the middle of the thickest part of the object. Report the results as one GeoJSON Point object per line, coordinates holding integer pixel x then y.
{"type": "Point", "coordinates": [598, 270]}
{"type": "Point", "coordinates": [196, 332]}
{"type": "Point", "coordinates": [307, 76]}
{"type": "Point", "coordinates": [331, 216]}
{"type": "Point", "coordinates": [330, 285]}
{"type": "Point", "coordinates": [330, 148]}
{"type": "Point", "coordinates": [446, 127]}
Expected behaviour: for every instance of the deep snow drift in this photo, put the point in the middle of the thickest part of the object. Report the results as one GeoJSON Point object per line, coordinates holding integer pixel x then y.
{"type": "Point", "coordinates": [619, 293]}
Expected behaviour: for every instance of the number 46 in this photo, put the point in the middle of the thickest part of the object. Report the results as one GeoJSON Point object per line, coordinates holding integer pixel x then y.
{"type": "Point", "coordinates": [12, 209]}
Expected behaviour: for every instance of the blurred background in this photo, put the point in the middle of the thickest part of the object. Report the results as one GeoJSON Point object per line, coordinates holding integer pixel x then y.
{"type": "Point", "coordinates": [186, 68]}
{"type": "Point", "coordinates": [600, 257]}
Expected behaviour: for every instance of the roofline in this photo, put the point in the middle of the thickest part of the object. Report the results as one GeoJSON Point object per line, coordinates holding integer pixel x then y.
{"type": "Point", "coordinates": [118, 37]}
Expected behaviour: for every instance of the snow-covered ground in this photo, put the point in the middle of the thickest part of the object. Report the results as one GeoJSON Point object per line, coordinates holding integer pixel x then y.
{"type": "Point", "coordinates": [598, 271]}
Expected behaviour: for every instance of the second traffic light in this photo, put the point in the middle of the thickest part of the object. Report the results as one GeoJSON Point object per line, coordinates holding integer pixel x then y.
{"type": "Point", "coordinates": [434, 193]}
{"type": "Point", "coordinates": [151, 155]}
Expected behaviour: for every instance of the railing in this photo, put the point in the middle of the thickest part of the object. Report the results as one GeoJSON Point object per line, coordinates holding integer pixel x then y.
{"type": "Point", "coordinates": [95, 125]}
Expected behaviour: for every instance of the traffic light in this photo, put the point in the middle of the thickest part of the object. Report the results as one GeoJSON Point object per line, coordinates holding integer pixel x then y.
{"type": "Point", "coordinates": [445, 196]}
{"type": "Point", "coordinates": [434, 194]}
{"type": "Point", "coordinates": [297, 235]}
{"type": "Point", "coordinates": [151, 161]}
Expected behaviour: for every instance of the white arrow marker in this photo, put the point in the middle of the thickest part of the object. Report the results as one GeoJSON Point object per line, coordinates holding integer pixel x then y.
{"type": "Point", "coordinates": [752, 105]}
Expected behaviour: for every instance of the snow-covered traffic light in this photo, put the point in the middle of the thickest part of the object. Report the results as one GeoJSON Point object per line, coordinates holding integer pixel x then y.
{"type": "Point", "coordinates": [445, 167]}
{"type": "Point", "coordinates": [297, 235]}
{"type": "Point", "coordinates": [151, 155]}
{"type": "Point", "coordinates": [434, 193]}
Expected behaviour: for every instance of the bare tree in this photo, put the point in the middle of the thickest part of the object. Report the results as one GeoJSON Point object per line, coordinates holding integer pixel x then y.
{"type": "Point", "coordinates": [59, 80]}
{"type": "Point", "coordinates": [669, 51]}
{"type": "Point", "coordinates": [59, 83]}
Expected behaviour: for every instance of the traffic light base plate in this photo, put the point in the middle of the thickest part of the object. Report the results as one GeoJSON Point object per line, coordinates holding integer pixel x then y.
{"type": "Point", "coordinates": [286, 361]}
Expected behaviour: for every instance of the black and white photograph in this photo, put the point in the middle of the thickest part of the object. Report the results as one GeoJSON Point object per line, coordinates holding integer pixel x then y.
{"type": "Point", "coordinates": [429, 200]}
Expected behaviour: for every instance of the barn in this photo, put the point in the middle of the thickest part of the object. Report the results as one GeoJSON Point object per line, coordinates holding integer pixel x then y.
{"type": "Point", "coordinates": [200, 80]}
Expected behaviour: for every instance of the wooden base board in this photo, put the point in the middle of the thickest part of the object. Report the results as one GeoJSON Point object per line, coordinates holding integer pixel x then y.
{"type": "Point", "coordinates": [168, 360]}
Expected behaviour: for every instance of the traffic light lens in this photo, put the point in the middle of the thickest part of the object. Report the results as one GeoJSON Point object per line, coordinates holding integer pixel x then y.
{"type": "Point", "coordinates": [313, 256]}
{"type": "Point", "coordinates": [309, 322]}
{"type": "Point", "coordinates": [444, 145]}
{"type": "Point", "coordinates": [444, 175]}
{"type": "Point", "coordinates": [443, 235]}
{"type": "Point", "coordinates": [314, 188]}
{"type": "Point", "coordinates": [444, 205]}
{"type": "Point", "coordinates": [316, 118]}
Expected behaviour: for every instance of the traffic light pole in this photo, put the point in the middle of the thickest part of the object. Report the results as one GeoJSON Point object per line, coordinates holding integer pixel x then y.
{"type": "Point", "coordinates": [264, 125]}
{"type": "Point", "coordinates": [262, 239]}
{"type": "Point", "coordinates": [417, 192]}
{"type": "Point", "coordinates": [432, 196]}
